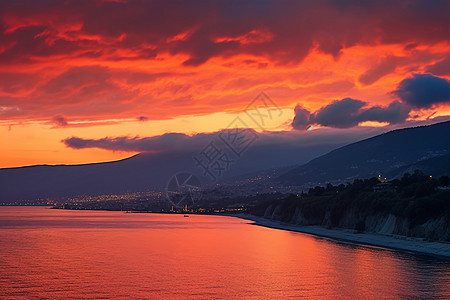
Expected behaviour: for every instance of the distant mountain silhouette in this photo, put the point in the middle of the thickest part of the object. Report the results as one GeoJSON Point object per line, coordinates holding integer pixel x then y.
{"type": "Point", "coordinates": [386, 154]}
{"type": "Point", "coordinates": [138, 173]}
{"type": "Point", "coordinates": [142, 172]}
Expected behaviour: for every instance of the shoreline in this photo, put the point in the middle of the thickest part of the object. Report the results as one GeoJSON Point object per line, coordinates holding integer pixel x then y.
{"type": "Point", "coordinates": [402, 243]}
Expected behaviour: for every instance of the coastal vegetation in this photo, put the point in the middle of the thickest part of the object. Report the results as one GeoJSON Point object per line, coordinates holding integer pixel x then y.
{"type": "Point", "coordinates": [415, 205]}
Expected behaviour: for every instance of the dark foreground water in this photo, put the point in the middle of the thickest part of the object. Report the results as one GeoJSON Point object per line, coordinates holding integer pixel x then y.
{"type": "Point", "coordinates": [62, 254]}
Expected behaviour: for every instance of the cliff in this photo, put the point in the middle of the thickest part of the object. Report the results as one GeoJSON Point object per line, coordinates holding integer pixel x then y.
{"type": "Point", "coordinates": [437, 229]}
{"type": "Point", "coordinates": [415, 206]}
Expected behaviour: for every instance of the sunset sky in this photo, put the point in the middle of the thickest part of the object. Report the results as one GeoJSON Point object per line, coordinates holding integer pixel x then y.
{"type": "Point", "coordinates": [73, 73]}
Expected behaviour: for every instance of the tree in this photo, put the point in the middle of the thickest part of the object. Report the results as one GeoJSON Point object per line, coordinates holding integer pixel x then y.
{"type": "Point", "coordinates": [444, 181]}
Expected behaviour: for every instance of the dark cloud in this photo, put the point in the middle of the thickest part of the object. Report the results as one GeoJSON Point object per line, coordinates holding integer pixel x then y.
{"type": "Point", "coordinates": [424, 90]}
{"type": "Point", "coordinates": [280, 148]}
{"type": "Point", "coordinates": [340, 113]}
{"type": "Point", "coordinates": [411, 46]}
{"type": "Point", "coordinates": [394, 113]}
{"type": "Point", "coordinates": [349, 112]}
{"type": "Point", "coordinates": [59, 121]}
{"type": "Point", "coordinates": [142, 118]}
{"type": "Point", "coordinates": [285, 31]}
{"type": "Point", "coordinates": [165, 142]}
{"type": "Point", "coordinates": [301, 120]}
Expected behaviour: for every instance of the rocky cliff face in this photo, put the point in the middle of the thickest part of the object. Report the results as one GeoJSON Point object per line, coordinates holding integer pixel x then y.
{"type": "Point", "coordinates": [387, 224]}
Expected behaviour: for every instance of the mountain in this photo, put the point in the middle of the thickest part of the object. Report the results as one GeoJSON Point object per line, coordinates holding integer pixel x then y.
{"type": "Point", "coordinates": [388, 153]}
{"type": "Point", "coordinates": [142, 172]}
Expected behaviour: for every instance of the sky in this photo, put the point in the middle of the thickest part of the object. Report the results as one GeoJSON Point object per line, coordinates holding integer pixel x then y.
{"type": "Point", "coordinates": [93, 81]}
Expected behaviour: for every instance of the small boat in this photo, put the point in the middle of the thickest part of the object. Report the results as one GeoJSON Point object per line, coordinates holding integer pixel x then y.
{"type": "Point", "coordinates": [186, 216]}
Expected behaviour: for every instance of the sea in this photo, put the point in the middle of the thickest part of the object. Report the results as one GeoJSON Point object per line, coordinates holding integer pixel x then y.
{"type": "Point", "coordinates": [78, 254]}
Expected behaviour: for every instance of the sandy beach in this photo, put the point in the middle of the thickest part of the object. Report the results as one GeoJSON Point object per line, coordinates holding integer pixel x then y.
{"type": "Point", "coordinates": [403, 243]}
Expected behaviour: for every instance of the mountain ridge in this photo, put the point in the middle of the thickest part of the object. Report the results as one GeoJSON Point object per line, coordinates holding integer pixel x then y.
{"type": "Point", "coordinates": [72, 165]}
{"type": "Point", "coordinates": [373, 156]}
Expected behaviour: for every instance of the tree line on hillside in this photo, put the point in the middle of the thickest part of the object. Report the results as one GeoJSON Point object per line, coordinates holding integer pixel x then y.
{"type": "Point", "coordinates": [415, 197]}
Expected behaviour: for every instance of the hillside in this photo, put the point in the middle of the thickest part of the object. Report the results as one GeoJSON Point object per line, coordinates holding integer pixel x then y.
{"type": "Point", "coordinates": [384, 154]}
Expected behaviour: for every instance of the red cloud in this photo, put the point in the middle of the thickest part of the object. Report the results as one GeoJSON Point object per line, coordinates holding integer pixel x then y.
{"type": "Point", "coordinates": [282, 30]}
{"type": "Point", "coordinates": [98, 59]}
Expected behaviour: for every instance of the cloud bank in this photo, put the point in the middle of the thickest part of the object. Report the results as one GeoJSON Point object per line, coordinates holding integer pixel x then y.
{"type": "Point", "coordinates": [283, 30]}
{"type": "Point", "coordinates": [416, 92]}
{"type": "Point", "coordinates": [350, 112]}
{"type": "Point", "coordinates": [162, 59]}
{"type": "Point", "coordinates": [424, 90]}
{"type": "Point", "coordinates": [175, 142]}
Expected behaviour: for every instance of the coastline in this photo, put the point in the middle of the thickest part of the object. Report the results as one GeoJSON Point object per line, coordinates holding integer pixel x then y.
{"type": "Point", "coordinates": [403, 243]}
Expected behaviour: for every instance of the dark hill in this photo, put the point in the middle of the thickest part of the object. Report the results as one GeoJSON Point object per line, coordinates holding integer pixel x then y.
{"type": "Point", "coordinates": [384, 154]}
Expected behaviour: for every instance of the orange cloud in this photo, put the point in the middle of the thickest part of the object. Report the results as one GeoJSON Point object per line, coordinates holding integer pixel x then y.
{"type": "Point", "coordinates": [96, 62]}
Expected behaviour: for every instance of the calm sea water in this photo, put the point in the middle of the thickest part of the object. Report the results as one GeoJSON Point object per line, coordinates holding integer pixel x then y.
{"type": "Point", "coordinates": [62, 254]}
